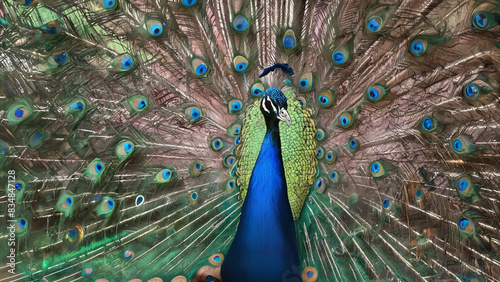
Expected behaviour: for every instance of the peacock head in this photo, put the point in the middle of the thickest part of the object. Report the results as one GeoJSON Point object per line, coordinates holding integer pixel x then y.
{"type": "Point", "coordinates": [274, 106]}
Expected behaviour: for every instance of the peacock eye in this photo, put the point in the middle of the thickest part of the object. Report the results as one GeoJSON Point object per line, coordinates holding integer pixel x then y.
{"type": "Point", "coordinates": [138, 104]}
{"type": "Point", "coordinates": [163, 176]}
{"type": "Point", "coordinates": [234, 130]}
{"type": "Point", "coordinates": [199, 67]}
{"type": "Point", "coordinates": [320, 153]}
{"type": "Point", "coordinates": [305, 82]}
{"type": "Point", "coordinates": [234, 106]}
{"type": "Point", "coordinates": [418, 47]}
{"type": "Point", "coordinates": [463, 185]}
{"type": "Point", "coordinates": [340, 55]}
{"type": "Point", "coordinates": [386, 203]}
{"type": "Point", "coordinates": [320, 134]}
{"type": "Point", "coordinates": [418, 194]}
{"type": "Point", "coordinates": [61, 58]}
{"type": "Point", "coordinates": [257, 89]}
{"type": "Point", "coordinates": [463, 223]}
{"type": "Point", "coordinates": [471, 92]}
{"type": "Point", "coordinates": [240, 63]}
{"type": "Point", "coordinates": [480, 20]}
{"type": "Point", "coordinates": [240, 23]}
{"type": "Point", "coordinates": [377, 169]}
{"type": "Point", "coordinates": [374, 23]}
{"type": "Point", "coordinates": [228, 161]}
{"type": "Point", "coordinates": [196, 168]}
{"type": "Point", "coordinates": [346, 120]}
{"type": "Point", "coordinates": [18, 112]}
{"type": "Point", "coordinates": [216, 144]}
{"type": "Point", "coordinates": [458, 145]}
{"type": "Point", "coordinates": [124, 149]}
{"type": "Point", "coordinates": [155, 27]}
{"type": "Point", "coordinates": [193, 113]}
{"type": "Point", "coordinates": [123, 62]}
{"type": "Point", "coordinates": [326, 98]}
{"type": "Point", "coordinates": [289, 39]}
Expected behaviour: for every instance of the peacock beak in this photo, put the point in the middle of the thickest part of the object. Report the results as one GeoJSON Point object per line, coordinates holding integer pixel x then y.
{"type": "Point", "coordinates": [284, 117]}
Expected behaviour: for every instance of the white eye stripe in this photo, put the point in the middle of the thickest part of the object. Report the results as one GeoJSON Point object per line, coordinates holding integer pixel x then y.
{"type": "Point", "coordinates": [272, 104]}
{"type": "Point", "coordinates": [264, 105]}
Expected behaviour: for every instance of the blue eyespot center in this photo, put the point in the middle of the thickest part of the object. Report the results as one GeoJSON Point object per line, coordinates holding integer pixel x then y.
{"type": "Point", "coordinates": [19, 113]}
{"type": "Point", "coordinates": [18, 186]}
{"type": "Point", "coordinates": [201, 69]}
{"type": "Point", "coordinates": [69, 201]}
{"type": "Point", "coordinates": [480, 20]}
{"type": "Point", "coordinates": [72, 233]}
{"type": "Point", "coordinates": [139, 200]}
{"type": "Point", "coordinates": [418, 193]}
{"type": "Point", "coordinates": [319, 183]}
{"type": "Point", "coordinates": [236, 106]}
{"type": "Point", "coordinates": [463, 223]}
{"type": "Point", "coordinates": [353, 143]}
{"type": "Point", "coordinates": [240, 23]}
{"type": "Point", "coordinates": [289, 42]}
{"type": "Point", "coordinates": [344, 121]}
{"type": "Point", "coordinates": [126, 63]}
{"type": "Point", "coordinates": [195, 114]}
{"type": "Point", "coordinates": [217, 144]}
{"type": "Point", "coordinates": [77, 106]}
{"type": "Point", "coordinates": [303, 83]}
{"type": "Point", "coordinates": [237, 140]}
{"type": "Point", "coordinates": [109, 3]}
{"type": "Point", "coordinates": [338, 57]}
{"type": "Point", "coordinates": [231, 184]}
{"type": "Point", "coordinates": [427, 123]}
{"type": "Point", "coordinates": [329, 156]}
{"type": "Point", "coordinates": [142, 104]}
{"type": "Point", "coordinates": [230, 160]}
{"type": "Point", "coordinates": [319, 135]}
{"type": "Point", "coordinates": [188, 3]}
{"type": "Point", "coordinates": [320, 152]}
{"type": "Point", "coordinates": [156, 29]}
{"type": "Point", "coordinates": [127, 147]}
{"type": "Point", "coordinates": [471, 91]}
{"type": "Point", "coordinates": [236, 130]}
{"type": "Point", "coordinates": [197, 166]}
{"type": "Point", "coordinates": [194, 196]}
{"type": "Point", "coordinates": [333, 175]}
{"type": "Point", "coordinates": [217, 259]}
{"type": "Point", "coordinates": [386, 203]}
{"type": "Point", "coordinates": [241, 66]}
{"type": "Point", "coordinates": [22, 223]}
{"type": "Point", "coordinates": [463, 185]}
{"type": "Point", "coordinates": [375, 167]}
{"type": "Point", "coordinates": [310, 274]}
{"type": "Point", "coordinates": [257, 91]}
{"type": "Point", "coordinates": [209, 278]}
{"type": "Point", "coordinates": [166, 174]}
{"type": "Point", "coordinates": [373, 25]}
{"type": "Point", "coordinates": [458, 145]}
{"type": "Point", "coordinates": [110, 203]}
{"type": "Point", "coordinates": [61, 58]}
{"type": "Point", "coordinates": [373, 93]}
{"type": "Point", "coordinates": [417, 47]}
{"type": "Point", "coordinates": [98, 167]}
{"type": "Point", "coordinates": [323, 100]}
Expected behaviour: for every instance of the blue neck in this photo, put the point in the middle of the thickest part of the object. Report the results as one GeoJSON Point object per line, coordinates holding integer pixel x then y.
{"type": "Point", "coordinates": [264, 247]}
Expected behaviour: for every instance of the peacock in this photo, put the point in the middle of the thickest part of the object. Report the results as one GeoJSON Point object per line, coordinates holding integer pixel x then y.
{"type": "Point", "coordinates": [247, 140]}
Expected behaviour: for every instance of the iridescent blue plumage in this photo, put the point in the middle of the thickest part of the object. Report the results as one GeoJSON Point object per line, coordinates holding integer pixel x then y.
{"type": "Point", "coordinates": [265, 248]}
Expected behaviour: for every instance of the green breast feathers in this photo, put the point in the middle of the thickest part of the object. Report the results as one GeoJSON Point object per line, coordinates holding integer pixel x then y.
{"type": "Point", "coordinates": [298, 146]}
